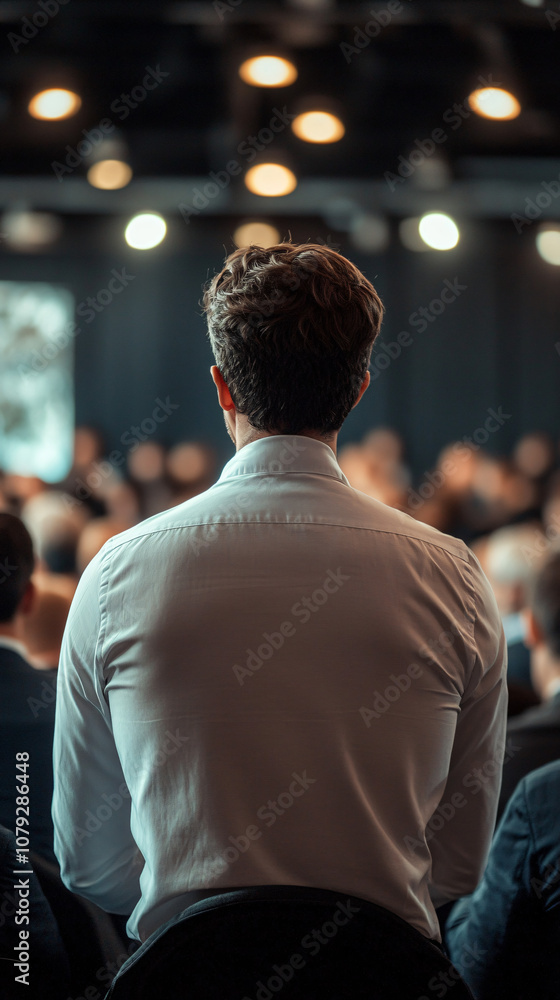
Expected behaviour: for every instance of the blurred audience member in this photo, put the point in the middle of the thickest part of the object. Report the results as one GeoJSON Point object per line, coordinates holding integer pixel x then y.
{"type": "Point", "coordinates": [55, 522]}
{"type": "Point", "coordinates": [88, 470]}
{"type": "Point", "coordinates": [88, 448]}
{"type": "Point", "coordinates": [48, 976]}
{"type": "Point", "coordinates": [512, 558]}
{"type": "Point", "coordinates": [520, 692]}
{"type": "Point", "coordinates": [442, 497]}
{"type": "Point", "coordinates": [520, 698]}
{"type": "Point", "coordinates": [191, 468]}
{"type": "Point", "coordinates": [534, 735]}
{"type": "Point", "coordinates": [4, 502]}
{"type": "Point", "coordinates": [55, 583]}
{"type": "Point", "coordinates": [469, 493]}
{"type": "Point", "coordinates": [386, 446]}
{"type": "Point", "coordinates": [490, 504]}
{"type": "Point", "coordinates": [480, 548]}
{"type": "Point", "coordinates": [376, 467]}
{"type": "Point", "coordinates": [19, 489]}
{"type": "Point", "coordinates": [26, 696]}
{"type": "Point", "coordinates": [94, 536]}
{"type": "Point", "coordinates": [504, 937]}
{"type": "Point", "coordinates": [521, 497]}
{"type": "Point", "coordinates": [42, 629]}
{"type": "Point", "coordinates": [146, 468]}
{"type": "Point", "coordinates": [534, 456]}
{"type": "Point", "coordinates": [122, 501]}
{"type": "Point", "coordinates": [551, 514]}
{"type": "Point", "coordinates": [355, 466]}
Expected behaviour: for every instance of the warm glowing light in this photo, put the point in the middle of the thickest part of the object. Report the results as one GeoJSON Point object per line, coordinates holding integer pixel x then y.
{"type": "Point", "coordinates": [268, 71]}
{"type": "Point", "coordinates": [145, 231]}
{"type": "Point", "coordinates": [271, 180]}
{"type": "Point", "coordinates": [493, 102]}
{"type": "Point", "coordinates": [109, 175]}
{"type": "Point", "coordinates": [318, 126]}
{"type": "Point", "coordinates": [548, 245]}
{"type": "Point", "coordinates": [438, 231]}
{"type": "Point", "coordinates": [258, 234]}
{"type": "Point", "coordinates": [52, 105]}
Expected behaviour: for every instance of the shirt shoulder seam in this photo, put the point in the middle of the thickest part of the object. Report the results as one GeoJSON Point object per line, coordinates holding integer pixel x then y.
{"type": "Point", "coordinates": [463, 556]}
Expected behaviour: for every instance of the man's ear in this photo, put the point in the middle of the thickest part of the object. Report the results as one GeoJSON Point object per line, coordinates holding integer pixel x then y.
{"type": "Point", "coordinates": [363, 387]}
{"type": "Point", "coordinates": [534, 635]}
{"type": "Point", "coordinates": [224, 397]}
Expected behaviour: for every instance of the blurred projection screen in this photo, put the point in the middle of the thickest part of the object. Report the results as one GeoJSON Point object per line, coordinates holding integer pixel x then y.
{"type": "Point", "coordinates": [36, 379]}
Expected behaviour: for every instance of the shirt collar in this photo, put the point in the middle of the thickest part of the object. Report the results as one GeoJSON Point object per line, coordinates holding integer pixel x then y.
{"type": "Point", "coordinates": [284, 454]}
{"type": "Point", "coordinates": [6, 642]}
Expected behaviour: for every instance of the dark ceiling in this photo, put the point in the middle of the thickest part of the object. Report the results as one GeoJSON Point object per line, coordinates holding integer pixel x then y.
{"type": "Point", "coordinates": [392, 94]}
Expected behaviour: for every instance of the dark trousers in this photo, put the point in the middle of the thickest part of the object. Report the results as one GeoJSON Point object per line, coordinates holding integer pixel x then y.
{"type": "Point", "coordinates": [307, 944]}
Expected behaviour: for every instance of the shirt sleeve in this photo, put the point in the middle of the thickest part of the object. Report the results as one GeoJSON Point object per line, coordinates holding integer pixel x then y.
{"type": "Point", "coordinates": [488, 935]}
{"type": "Point", "coordinates": [98, 856]}
{"type": "Point", "coordinates": [459, 851]}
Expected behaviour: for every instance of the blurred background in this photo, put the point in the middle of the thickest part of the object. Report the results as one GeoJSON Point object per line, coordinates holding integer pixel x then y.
{"type": "Point", "coordinates": [142, 142]}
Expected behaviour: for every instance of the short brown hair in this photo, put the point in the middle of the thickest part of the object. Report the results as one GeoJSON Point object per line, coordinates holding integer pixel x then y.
{"type": "Point", "coordinates": [16, 564]}
{"type": "Point", "coordinates": [291, 329]}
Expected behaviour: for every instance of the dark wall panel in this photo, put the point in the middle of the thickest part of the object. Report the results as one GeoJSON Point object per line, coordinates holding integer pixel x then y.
{"type": "Point", "coordinates": [493, 346]}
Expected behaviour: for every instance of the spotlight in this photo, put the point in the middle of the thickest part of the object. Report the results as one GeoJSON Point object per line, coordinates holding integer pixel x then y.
{"type": "Point", "coordinates": [145, 231]}
{"type": "Point", "coordinates": [495, 103]}
{"type": "Point", "coordinates": [318, 126]}
{"type": "Point", "coordinates": [548, 244]}
{"type": "Point", "coordinates": [259, 234]}
{"type": "Point", "coordinates": [109, 175]}
{"type": "Point", "coordinates": [52, 105]}
{"type": "Point", "coordinates": [270, 180]}
{"type": "Point", "coordinates": [438, 231]}
{"type": "Point", "coordinates": [268, 71]}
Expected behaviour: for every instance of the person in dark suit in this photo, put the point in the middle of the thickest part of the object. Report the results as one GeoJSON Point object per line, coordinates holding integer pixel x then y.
{"type": "Point", "coordinates": [513, 555]}
{"type": "Point", "coordinates": [46, 974]}
{"type": "Point", "coordinates": [504, 937]}
{"type": "Point", "coordinates": [27, 697]}
{"type": "Point", "coordinates": [534, 736]}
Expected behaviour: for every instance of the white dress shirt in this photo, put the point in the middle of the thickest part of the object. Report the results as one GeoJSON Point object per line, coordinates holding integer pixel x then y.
{"type": "Point", "coordinates": [280, 681]}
